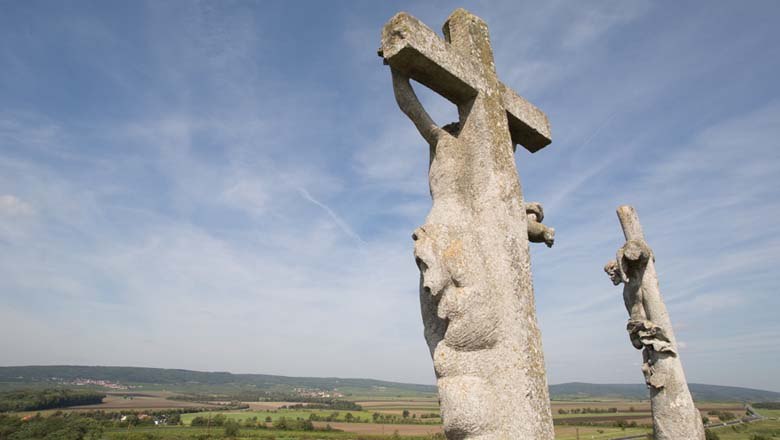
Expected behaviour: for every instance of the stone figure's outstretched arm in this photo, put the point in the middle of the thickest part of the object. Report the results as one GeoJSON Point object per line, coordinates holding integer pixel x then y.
{"type": "Point", "coordinates": [538, 232]}
{"type": "Point", "coordinates": [410, 105]}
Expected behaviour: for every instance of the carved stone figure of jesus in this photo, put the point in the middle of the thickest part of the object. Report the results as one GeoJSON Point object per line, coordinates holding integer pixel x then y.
{"type": "Point", "coordinates": [476, 293]}
{"type": "Point", "coordinates": [460, 309]}
{"type": "Point", "coordinates": [674, 415]}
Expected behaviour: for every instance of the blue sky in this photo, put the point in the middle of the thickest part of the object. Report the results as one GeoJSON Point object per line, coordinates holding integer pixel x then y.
{"type": "Point", "coordinates": [230, 185]}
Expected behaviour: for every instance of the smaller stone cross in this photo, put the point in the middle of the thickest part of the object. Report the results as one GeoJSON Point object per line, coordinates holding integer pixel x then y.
{"type": "Point", "coordinates": [674, 415]}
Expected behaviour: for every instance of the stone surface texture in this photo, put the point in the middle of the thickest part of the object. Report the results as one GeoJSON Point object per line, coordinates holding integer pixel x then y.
{"type": "Point", "coordinates": [674, 415]}
{"type": "Point", "coordinates": [476, 292]}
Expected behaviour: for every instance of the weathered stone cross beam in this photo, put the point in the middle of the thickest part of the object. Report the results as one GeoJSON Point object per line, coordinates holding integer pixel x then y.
{"type": "Point", "coordinates": [476, 292]}
{"type": "Point", "coordinates": [450, 69]}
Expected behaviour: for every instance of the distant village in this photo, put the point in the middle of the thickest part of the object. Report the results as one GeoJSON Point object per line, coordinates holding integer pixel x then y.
{"type": "Point", "coordinates": [301, 391]}
{"type": "Point", "coordinates": [84, 382]}
{"type": "Point", "coordinates": [316, 392]}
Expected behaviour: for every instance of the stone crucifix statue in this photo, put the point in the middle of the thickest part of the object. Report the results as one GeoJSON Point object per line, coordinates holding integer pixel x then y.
{"type": "Point", "coordinates": [650, 330]}
{"type": "Point", "coordinates": [476, 291]}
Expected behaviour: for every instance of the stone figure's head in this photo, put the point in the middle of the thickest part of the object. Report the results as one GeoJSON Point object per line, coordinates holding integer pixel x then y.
{"type": "Point", "coordinates": [436, 273]}
{"type": "Point", "coordinates": [453, 270]}
{"type": "Point", "coordinates": [635, 251]}
{"type": "Point", "coordinates": [452, 128]}
{"type": "Point", "coordinates": [631, 260]}
{"type": "Point", "coordinates": [613, 271]}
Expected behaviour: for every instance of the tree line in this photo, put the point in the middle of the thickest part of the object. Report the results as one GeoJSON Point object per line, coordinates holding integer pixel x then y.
{"type": "Point", "coordinates": [88, 425]}
{"type": "Point", "coordinates": [591, 410]}
{"type": "Point", "coordinates": [51, 398]}
{"type": "Point", "coordinates": [344, 405]}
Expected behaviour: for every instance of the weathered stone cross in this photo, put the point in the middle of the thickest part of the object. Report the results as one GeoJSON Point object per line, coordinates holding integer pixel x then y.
{"type": "Point", "coordinates": [675, 416]}
{"type": "Point", "coordinates": [460, 69]}
{"type": "Point", "coordinates": [476, 292]}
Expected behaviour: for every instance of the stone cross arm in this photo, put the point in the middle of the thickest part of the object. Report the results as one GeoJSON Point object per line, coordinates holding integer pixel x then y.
{"type": "Point", "coordinates": [416, 51]}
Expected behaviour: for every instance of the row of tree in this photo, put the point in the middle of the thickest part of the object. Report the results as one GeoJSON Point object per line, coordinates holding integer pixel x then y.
{"type": "Point", "coordinates": [317, 403]}
{"type": "Point", "coordinates": [724, 416]}
{"type": "Point", "coordinates": [59, 426]}
{"type": "Point", "coordinates": [281, 424]}
{"type": "Point", "coordinates": [50, 398]}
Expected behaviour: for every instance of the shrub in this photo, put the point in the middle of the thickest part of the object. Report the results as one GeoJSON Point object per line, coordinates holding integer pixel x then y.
{"type": "Point", "coordinates": [231, 428]}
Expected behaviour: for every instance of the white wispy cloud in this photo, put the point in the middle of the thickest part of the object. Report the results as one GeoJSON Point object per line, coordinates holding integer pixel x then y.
{"type": "Point", "coordinates": [11, 206]}
{"type": "Point", "coordinates": [335, 217]}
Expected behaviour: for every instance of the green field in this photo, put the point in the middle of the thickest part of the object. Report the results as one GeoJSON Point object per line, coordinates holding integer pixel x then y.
{"type": "Point", "coordinates": [769, 429]}
{"type": "Point", "coordinates": [771, 413]}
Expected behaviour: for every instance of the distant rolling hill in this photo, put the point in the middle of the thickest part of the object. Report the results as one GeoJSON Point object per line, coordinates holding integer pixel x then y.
{"type": "Point", "coordinates": [23, 376]}
{"type": "Point", "coordinates": [701, 392]}
{"type": "Point", "coordinates": [199, 380]}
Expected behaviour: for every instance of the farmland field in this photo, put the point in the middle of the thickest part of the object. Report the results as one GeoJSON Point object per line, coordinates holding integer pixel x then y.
{"type": "Point", "coordinates": [363, 430]}
{"type": "Point", "coordinates": [433, 425]}
{"type": "Point", "coordinates": [565, 414]}
{"type": "Point", "coordinates": [595, 420]}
